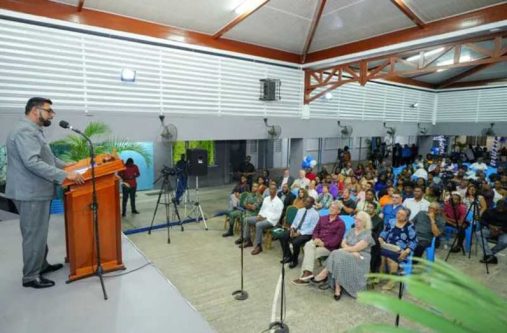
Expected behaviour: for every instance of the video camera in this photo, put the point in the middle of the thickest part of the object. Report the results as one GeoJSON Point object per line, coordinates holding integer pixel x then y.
{"type": "Point", "coordinates": [167, 171]}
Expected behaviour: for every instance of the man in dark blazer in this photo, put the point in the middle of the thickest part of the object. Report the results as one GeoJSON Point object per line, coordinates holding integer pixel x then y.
{"type": "Point", "coordinates": [287, 198]}
{"type": "Point", "coordinates": [32, 174]}
{"type": "Point", "coordinates": [286, 178]}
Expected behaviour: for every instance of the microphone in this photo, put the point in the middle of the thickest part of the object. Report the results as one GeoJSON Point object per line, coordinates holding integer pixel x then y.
{"type": "Point", "coordinates": [66, 125]}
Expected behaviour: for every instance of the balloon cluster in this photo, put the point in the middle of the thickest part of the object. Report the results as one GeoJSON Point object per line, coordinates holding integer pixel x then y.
{"type": "Point", "coordinates": [308, 162]}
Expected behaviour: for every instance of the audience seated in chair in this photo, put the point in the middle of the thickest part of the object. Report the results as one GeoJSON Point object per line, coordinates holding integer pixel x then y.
{"type": "Point", "coordinates": [286, 178]}
{"type": "Point", "coordinates": [268, 217]}
{"type": "Point", "coordinates": [250, 205]}
{"type": "Point", "coordinates": [369, 198]}
{"type": "Point", "coordinates": [287, 198]}
{"type": "Point", "coordinates": [397, 241]}
{"type": "Point", "coordinates": [494, 225]}
{"type": "Point", "coordinates": [301, 181]}
{"type": "Point", "coordinates": [312, 192]}
{"type": "Point", "coordinates": [428, 225]}
{"type": "Point", "coordinates": [377, 225]}
{"type": "Point", "coordinates": [455, 213]}
{"type": "Point", "coordinates": [300, 232]}
{"type": "Point", "coordinates": [346, 268]}
{"type": "Point", "coordinates": [326, 237]}
{"type": "Point", "coordinates": [417, 203]}
{"type": "Point", "coordinates": [299, 202]}
{"type": "Point", "coordinates": [346, 205]}
{"type": "Point", "coordinates": [325, 198]}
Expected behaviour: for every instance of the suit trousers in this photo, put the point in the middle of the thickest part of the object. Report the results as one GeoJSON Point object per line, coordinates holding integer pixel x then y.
{"type": "Point", "coordinates": [312, 253]}
{"type": "Point", "coordinates": [34, 225]}
{"type": "Point", "coordinates": [297, 243]}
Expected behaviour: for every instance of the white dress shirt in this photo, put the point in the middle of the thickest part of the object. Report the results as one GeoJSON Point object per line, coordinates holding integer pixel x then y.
{"type": "Point", "coordinates": [271, 209]}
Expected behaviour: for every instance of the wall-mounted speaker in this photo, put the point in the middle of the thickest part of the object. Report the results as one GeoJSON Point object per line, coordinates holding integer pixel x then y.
{"type": "Point", "coordinates": [197, 162]}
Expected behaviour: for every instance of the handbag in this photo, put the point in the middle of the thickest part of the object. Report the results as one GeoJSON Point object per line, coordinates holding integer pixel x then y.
{"type": "Point", "coordinates": [391, 247]}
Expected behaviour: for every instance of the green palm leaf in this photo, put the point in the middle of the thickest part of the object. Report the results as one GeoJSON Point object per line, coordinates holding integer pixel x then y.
{"type": "Point", "coordinates": [442, 299]}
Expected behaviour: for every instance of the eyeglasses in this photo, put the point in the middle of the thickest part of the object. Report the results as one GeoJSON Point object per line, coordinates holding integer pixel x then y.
{"type": "Point", "coordinates": [47, 110]}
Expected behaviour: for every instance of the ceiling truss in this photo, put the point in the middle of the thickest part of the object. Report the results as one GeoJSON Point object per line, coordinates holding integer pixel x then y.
{"type": "Point", "coordinates": [404, 66]}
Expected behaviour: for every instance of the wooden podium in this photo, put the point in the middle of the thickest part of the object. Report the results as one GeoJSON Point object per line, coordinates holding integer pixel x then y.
{"type": "Point", "coordinates": [79, 231]}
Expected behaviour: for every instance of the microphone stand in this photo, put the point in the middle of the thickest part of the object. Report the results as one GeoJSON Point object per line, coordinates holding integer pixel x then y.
{"type": "Point", "coordinates": [241, 294]}
{"type": "Point", "coordinates": [95, 209]}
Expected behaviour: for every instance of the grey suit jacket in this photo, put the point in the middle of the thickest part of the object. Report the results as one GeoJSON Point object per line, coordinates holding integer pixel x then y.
{"type": "Point", "coordinates": [32, 169]}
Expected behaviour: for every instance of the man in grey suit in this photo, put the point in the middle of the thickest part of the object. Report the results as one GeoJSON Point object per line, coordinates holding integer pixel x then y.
{"type": "Point", "coordinates": [32, 174]}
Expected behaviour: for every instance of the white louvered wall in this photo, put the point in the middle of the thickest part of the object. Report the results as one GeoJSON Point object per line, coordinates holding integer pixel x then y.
{"type": "Point", "coordinates": [473, 105]}
{"type": "Point", "coordinates": [375, 101]}
{"type": "Point", "coordinates": [81, 72]}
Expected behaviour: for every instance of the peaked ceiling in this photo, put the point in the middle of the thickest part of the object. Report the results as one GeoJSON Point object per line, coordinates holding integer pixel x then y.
{"type": "Point", "coordinates": [298, 31]}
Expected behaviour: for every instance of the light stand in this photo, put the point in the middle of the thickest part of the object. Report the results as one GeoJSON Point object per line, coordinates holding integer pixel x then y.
{"type": "Point", "coordinates": [197, 213]}
{"type": "Point", "coordinates": [279, 326]}
{"type": "Point", "coordinates": [241, 294]}
{"type": "Point", "coordinates": [474, 207]}
{"type": "Point", "coordinates": [165, 190]}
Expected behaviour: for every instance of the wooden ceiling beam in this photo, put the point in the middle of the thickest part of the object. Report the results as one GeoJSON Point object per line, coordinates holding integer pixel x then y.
{"type": "Point", "coordinates": [456, 23]}
{"type": "Point", "coordinates": [240, 18]}
{"type": "Point", "coordinates": [467, 73]}
{"type": "Point", "coordinates": [80, 5]}
{"type": "Point", "coordinates": [313, 27]}
{"type": "Point", "coordinates": [410, 82]}
{"type": "Point", "coordinates": [402, 6]}
{"type": "Point", "coordinates": [477, 83]}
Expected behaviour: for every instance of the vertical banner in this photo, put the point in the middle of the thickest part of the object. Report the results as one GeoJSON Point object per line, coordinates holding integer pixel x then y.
{"type": "Point", "coordinates": [494, 151]}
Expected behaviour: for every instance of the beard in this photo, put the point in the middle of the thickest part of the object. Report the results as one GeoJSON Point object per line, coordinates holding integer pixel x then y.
{"type": "Point", "coordinates": [44, 122]}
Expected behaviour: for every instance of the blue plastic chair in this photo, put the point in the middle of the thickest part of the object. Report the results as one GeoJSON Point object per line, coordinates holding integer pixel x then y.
{"type": "Point", "coordinates": [430, 251]}
{"type": "Point", "coordinates": [324, 212]}
{"type": "Point", "coordinates": [348, 220]}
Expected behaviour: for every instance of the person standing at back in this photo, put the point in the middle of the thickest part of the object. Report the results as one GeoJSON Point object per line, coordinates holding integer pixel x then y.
{"type": "Point", "coordinates": [129, 186]}
{"type": "Point", "coordinates": [32, 175]}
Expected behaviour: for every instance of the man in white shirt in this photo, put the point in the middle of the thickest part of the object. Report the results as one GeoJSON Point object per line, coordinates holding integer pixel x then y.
{"type": "Point", "coordinates": [417, 203]}
{"type": "Point", "coordinates": [302, 181]}
{"type": "Point", "coordinates": [268, 217]}
{"type": "Point", "coordinates": [479, 165]}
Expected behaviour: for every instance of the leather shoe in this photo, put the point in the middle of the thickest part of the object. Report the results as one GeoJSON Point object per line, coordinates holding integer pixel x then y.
{"type": "Point", "coordinates": [227, 234]}
{"type": "Point", "coordinates": [135, 212]}
{"type": "Point", "coordinates": [238, 241]}
{"type": "Point", "coordinates": [256, 250]}
{"type": "Point", "coordinates": [490, 260]}
{"type": "Point", "coordinates": [246, 244]}
{"type": "Point", "coordinates": [286, 260]}
{"type": "Point", "coordinates": [39, 283]}
{"type": "Point", "coordinates": [51, 268]}
{"type": "Point", "coordinates": [293, 265]}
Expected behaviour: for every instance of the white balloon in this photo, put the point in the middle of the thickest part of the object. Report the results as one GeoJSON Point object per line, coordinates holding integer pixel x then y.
{"type": "Point", "coordinates": [313, 163]}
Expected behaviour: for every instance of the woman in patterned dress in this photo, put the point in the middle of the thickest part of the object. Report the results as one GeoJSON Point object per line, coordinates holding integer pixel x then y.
{"type": "Point", "coordinates": [347, 267]}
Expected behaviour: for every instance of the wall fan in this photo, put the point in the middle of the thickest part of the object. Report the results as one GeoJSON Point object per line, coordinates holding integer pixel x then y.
{"type": "Point", "coordinates": [346, 131]}
{"type": "Point", "coordinates": [169, 132]}
{"type": "Point", "coordinates": [274, 131]}
{"type": "Point", "coordinates": [422, 130]}
{"type": "Point", "coordinates": [488, 131]}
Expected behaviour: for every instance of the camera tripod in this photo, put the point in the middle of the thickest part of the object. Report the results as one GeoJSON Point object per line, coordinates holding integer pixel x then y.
{"type": "Point", "coordinates": [166, 193]}
{"type": "Point", "coordinates": [196, 213]}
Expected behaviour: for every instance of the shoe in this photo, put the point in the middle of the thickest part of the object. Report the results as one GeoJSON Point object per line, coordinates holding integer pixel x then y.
{"type": "Point", "coordinates": [388, 286]}
{"type": "Point", "coordinates": [318, 281]}
{"type": "Point", "coordinates": [285, 260]}
{"type": "Point", "coordinates": [491, 259]}
{"type": "Point", "coordinates": [51, 268]}
{"type": "Point", "coordinates": [299, 282]}
{"type": "Point", "coordinates": [337, 297]}
{"type": "Point", "coordinates": [293, 264]}
{"type": "Point", "coordinates": [456, 249]}
{"type": "Point", "coordinates": [256, 250]}
{"type": "Point", "coordinates": [135, 212]}
{"type": "Point", "coordinates": [238, 241]}
{"type": "Point", "coordinates": [227, 234]}
{"type": "Point", "coordinates": [246, 244]}
{"type": "Point", "coordinates": [306, 278]}
{"type": "Point", "coordinates": [39, 283]}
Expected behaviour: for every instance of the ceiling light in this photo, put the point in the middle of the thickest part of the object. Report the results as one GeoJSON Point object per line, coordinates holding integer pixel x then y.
{"type": "Point", "coordinates": [426, 54]}
{"type": "Point", "coordinates": [128, 75]}
{"type": "Point", "coordinates": [328, 96]}
{"type": "Point", "coordinates": [415, 105]}
{"type": "Point", "coordinates": [246, 6]}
